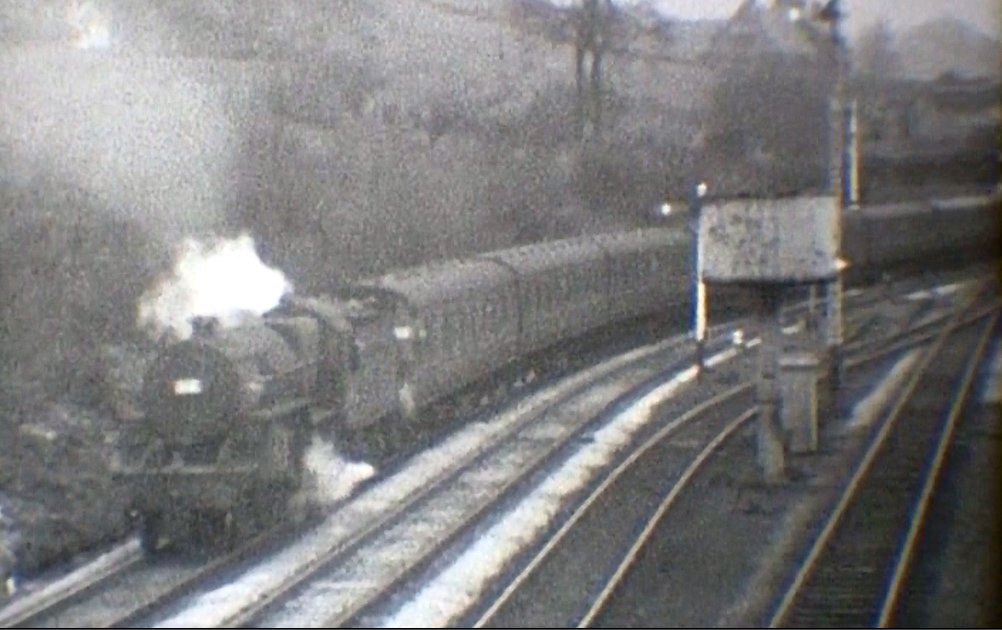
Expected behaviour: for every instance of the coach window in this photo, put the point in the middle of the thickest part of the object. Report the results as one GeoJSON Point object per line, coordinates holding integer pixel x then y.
{"type": "Point", "coordinates": [488, 315]}
{"type": "Point", "coordinates": [615, 271]}
{"type": "Point", "coordinates": [458, 337]}
{"type": "Point", "coordinates": [473, 323]}
{"type": "Point", "coordinates": [485, 317]}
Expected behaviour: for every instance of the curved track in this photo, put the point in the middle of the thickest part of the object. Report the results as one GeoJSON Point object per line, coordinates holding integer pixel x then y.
{"type": "Point", "coordinates": [343, 584]}
{"type": "Point", "coordinates": [134, 584]}
{"type": "Point", "coordinates": [586, 542]}
{"type": "Point", "coordinates": [144, 591]}
{"type": "Point", "coordinates": [585, 527]}
{"type": "Point", "coordinates": [854, 570]}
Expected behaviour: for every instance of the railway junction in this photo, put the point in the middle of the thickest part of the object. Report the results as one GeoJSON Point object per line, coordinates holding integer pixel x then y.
{"type": "Point", "coordinates": [630, 493]}
{"type": "Point", "coordinates": [513, 387]}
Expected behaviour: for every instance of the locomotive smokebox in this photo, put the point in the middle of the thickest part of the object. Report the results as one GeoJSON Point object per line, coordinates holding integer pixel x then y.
{"type": "Point", "coordinates": [196, 389]}
{"type": "Point", "coordinates": [190, 392]}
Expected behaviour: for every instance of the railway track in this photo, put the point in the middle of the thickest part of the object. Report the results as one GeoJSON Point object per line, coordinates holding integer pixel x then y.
{"type": "Point", "coordinates": [854, 571]}
{"type": "Point", "coordinates": [144, 591]}
{"type": "Point", "coordinates": [523, 603]}
{"type": "Point", "coordinates": [126, 584]}
{"type": "Point", "coordinates": [361, 582]}
{"type": "Point", "coordinates": [59, 594]}
{"type": "Point", "coordinates": [594, 534]}
{"type": "Point", "coordinates": [133, 588]}
{"type": "Point", "coordinates": [676, 461]}
{"type": "Point", "coordinates": [399, 534]}
{"type": "Point", "coordinates": [587, 544]}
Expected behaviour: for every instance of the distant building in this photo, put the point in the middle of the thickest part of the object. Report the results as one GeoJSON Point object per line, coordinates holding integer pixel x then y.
{"type": "Point", "coordinates": [948, 111]}
{"type": "Point", "coordinates": [954, 109]}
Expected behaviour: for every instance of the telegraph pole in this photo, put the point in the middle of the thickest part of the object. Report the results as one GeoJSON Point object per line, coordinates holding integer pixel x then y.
{"type": "Point", "coordinates": [832, 14]}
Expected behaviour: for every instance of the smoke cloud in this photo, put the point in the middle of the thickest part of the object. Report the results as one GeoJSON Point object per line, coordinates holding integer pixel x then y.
{"type": "Point", "coordinates": [143, 136]}
{"type": "Point", "coordinates": [225, 280]}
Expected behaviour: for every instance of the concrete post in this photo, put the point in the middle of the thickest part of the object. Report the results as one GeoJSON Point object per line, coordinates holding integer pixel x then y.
{"type": "Point", "coordinates": [833, 319]}
{"type": "Point", "coordinates": [799, 414]}
{"type": "Point", "coordinates": [771, 458]}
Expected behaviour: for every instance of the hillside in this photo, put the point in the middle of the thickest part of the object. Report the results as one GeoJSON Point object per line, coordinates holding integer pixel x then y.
{"type": "Point", "coordinates": [930, 49]}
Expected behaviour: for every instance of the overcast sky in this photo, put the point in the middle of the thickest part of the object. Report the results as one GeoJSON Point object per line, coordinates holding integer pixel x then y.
{"type": "Point", "coordinates": [986, 15]}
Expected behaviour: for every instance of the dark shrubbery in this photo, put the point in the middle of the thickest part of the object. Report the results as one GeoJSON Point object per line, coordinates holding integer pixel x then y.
{"type": "Point", "coordinates": [70, 280]}
{"type": "Point", "coordinates": [71, 275]}
{"type": "Point", "coordinates": [768, 128]}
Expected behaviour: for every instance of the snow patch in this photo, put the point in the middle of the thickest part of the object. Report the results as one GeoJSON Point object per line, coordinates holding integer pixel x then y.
{"type": "Point", "coordinates": [869, 408]}
{"type": "Point", "coordinates": [991, 393]}
{"type": "Point", "coordinates": [940, 291]}
{"type": "Point", "coordinates": [460, 585]}
{"type": "Point", "coordinates": [333, 476]}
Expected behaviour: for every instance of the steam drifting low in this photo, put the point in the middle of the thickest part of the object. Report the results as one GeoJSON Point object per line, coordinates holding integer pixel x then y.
{"type": "Point", "coordinates": [224, 279]}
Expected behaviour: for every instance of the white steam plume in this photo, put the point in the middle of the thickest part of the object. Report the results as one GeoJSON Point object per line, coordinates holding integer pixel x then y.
{"type": "Point", "coordinates": [225, 280]}
{"type": "Point", "coordinates": [331, 477]}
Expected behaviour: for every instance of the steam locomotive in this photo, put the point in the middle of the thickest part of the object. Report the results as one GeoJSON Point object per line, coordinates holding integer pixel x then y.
{"type": "Point", "coordinates": [228, 414]}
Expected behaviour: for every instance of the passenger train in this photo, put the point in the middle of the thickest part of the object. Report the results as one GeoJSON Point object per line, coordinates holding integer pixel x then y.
{"type": "Point", "coordinates": [228, 414]}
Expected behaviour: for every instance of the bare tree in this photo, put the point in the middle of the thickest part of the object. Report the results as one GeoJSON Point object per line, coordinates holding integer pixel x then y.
{"type": "Point", "coordinates": [766, 127]}
{"type": "Point", "coordinates": [593, 21]}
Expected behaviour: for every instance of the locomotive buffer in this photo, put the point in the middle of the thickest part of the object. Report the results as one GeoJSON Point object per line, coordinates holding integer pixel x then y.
{"type": "Point", "coordinates": [769, 246]}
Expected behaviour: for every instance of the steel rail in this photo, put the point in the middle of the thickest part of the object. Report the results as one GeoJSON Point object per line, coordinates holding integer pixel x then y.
{"type": "Point", "coordinates": [906, 339]}
{"type": "Point", "coordinates": [862, 472]}
{"type": "Point", "coordinates": [610, 479]}
{"type": "Point", "coordinates": [908, 547]}
{"type": "Point", "coordinates": [23, 611]}
{"type": "Point", "coordinates": [666, 504]}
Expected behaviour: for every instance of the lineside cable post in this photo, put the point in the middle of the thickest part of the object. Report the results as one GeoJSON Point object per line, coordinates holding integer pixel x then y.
{"type": "Point", "coordinates": [698, 292]}
{"type": "Point", "coordinates": [771, 454]}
